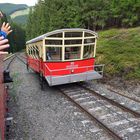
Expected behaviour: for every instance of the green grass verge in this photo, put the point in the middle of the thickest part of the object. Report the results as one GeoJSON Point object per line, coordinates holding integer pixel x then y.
{"type": "Point", "coordinates": [119, 49]}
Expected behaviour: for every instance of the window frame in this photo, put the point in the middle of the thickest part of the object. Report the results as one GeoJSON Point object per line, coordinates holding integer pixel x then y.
{"type": "Point", "coordinates": [52, 47]}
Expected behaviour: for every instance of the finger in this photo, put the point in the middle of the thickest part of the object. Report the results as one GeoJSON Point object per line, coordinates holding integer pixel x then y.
{"type": "Point", "coordinates": [1, 15]}
{"type": "Point", "coordinates": [3, 52]}
{"type": "Point", "coordinates": [1, 38]}
{"type": "Point", "coordinates": [3, 41]}
{"type": "Point", "coordinates": [9, 32]}
{"type": "Point", "coordinates": [7, 25]}
{"type": "Point", "coordinates": [4, 46]}
{"type": "Point", "coordinates": [3, 25]}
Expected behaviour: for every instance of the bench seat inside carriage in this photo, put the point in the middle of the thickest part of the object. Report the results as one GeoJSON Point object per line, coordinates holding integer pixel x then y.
{"type": "Point", "coordinates": [68, 50]}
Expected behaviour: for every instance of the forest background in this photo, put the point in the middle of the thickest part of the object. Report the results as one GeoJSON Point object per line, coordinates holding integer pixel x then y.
{"type": "Point", "coordinates": [116, 21]}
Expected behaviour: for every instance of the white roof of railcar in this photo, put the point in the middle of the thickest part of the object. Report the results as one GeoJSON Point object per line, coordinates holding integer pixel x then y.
{"type": "Point", "coordinates": [59, 31]}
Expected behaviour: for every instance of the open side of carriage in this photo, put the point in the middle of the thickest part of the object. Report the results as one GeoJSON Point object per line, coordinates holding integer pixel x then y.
{"type": "Point", "coordinates": [64, 56]}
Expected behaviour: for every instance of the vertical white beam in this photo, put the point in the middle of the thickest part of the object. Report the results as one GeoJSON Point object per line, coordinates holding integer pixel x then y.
{"type": "Point", "coordinates": [63, 47]}
{"type": "Point", "coordinates": [82, 47]}
{"type": "Point", "coordinates": [43, 51]}
{"type": "Point", "coordinates": [27, 49]}
{"type": "Point", "coordinates": [95, 47]}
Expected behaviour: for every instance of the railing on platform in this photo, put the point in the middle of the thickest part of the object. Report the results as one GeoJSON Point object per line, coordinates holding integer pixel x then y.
{"type": "Point", "coordinates": [98, 68]}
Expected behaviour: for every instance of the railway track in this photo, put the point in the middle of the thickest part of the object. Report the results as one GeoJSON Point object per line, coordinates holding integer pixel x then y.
{"type": "Point", "coordinates": [117, 118]}
{"type": "Point", "coordinates": [127, 103]}
{"type": "Point", "coordinates": [119, 124]}
{"type": "Point", "coordinates": [12, 57]}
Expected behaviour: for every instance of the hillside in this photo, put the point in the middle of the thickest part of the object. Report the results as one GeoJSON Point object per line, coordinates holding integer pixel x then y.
{"type": "Point", "coordinates": [21, 19]}
{"type": "Point", "coordinates": [20, 16]}
{"type": "Point", "coordinates": [17, 12]}
{"type": "Point", "coordinates": [119, 50]}
{"type": "Point", "coordinates": [9, 8]}
{"type": "Point", "coordinates": [20, 13]}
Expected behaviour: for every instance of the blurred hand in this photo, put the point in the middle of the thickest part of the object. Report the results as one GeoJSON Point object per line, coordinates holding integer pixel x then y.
{"type": "Point", "coordinates": [6, 28]}
{"type": "Point", "coordinates": [3, 45]}
{"type": "Point", "coordinates": [1, 15]}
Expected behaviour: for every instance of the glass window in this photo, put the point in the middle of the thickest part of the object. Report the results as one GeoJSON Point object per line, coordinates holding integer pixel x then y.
{"type": "Point", "coordinates": [90, 40]}
{"type": "Point", "coordinates": [53, 53]}
{"type": "Point", "coordinates": [29, 51]}
{"type": "Point", "coordinates": [88, 51]}
{"type": "Point", "coordinates": [72, 53]}
{"type": "Point", "coordinates": [69, 42]}
{"type": "Point", "coordinates": [53, 42]}
{"type": "Point", "coordinates": [73, 34]}
{"type": "Point", "coordinates": [33, 52]}
{"type": "Point", "coordinates": [88, 34]}
{"type": "Point", "coordinates": [36, 52]}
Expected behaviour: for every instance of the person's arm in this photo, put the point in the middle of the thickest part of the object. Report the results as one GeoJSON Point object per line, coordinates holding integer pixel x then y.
{"type": "Point", "coordinates": [3, 45]}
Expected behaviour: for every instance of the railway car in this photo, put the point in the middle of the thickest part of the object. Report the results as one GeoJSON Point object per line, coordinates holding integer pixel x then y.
{"type": "Point", "coordinates": [64, 56]}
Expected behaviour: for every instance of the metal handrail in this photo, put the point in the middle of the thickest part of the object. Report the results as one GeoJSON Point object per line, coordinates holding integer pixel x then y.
{"type": "Point", "coordinates": [100, 66]}
{"type": "Point", "coordinates": [84, 74]}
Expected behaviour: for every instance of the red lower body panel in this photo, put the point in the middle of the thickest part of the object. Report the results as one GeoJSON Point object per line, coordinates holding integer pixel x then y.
{"type": "Point", "coordinates": [34, 64]}
{"type": "Point", "coordinates": [66, 68]}
{"type": "Point", "coordinates": [61, 68]}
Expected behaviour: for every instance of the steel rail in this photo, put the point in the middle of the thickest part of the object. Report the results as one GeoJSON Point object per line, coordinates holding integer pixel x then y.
{"type": "Point", "coordinates": [111, 132]}
{"type": "Point", "coordinates": [135, 113]}
{"type": "Point", "coordinates": [14, 56]}
{"type": "Point", "coordinates": [21, 60]}
{"type": "Point", "coordinates": [133, 99]}
{"type": "Point", "coordinates": [8, 57]}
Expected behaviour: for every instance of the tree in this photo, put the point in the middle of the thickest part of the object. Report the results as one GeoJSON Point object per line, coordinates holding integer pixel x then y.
{"type": "Point", "coordinates": [49, 15]}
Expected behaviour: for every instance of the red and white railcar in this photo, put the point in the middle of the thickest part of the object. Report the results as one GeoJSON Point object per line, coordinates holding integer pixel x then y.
{"type": "Point", "coordinates": [64, 56]}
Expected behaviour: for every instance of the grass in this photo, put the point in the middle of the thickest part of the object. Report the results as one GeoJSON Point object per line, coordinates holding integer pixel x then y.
{"type": "Point", "coordinates": [119, 49]}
